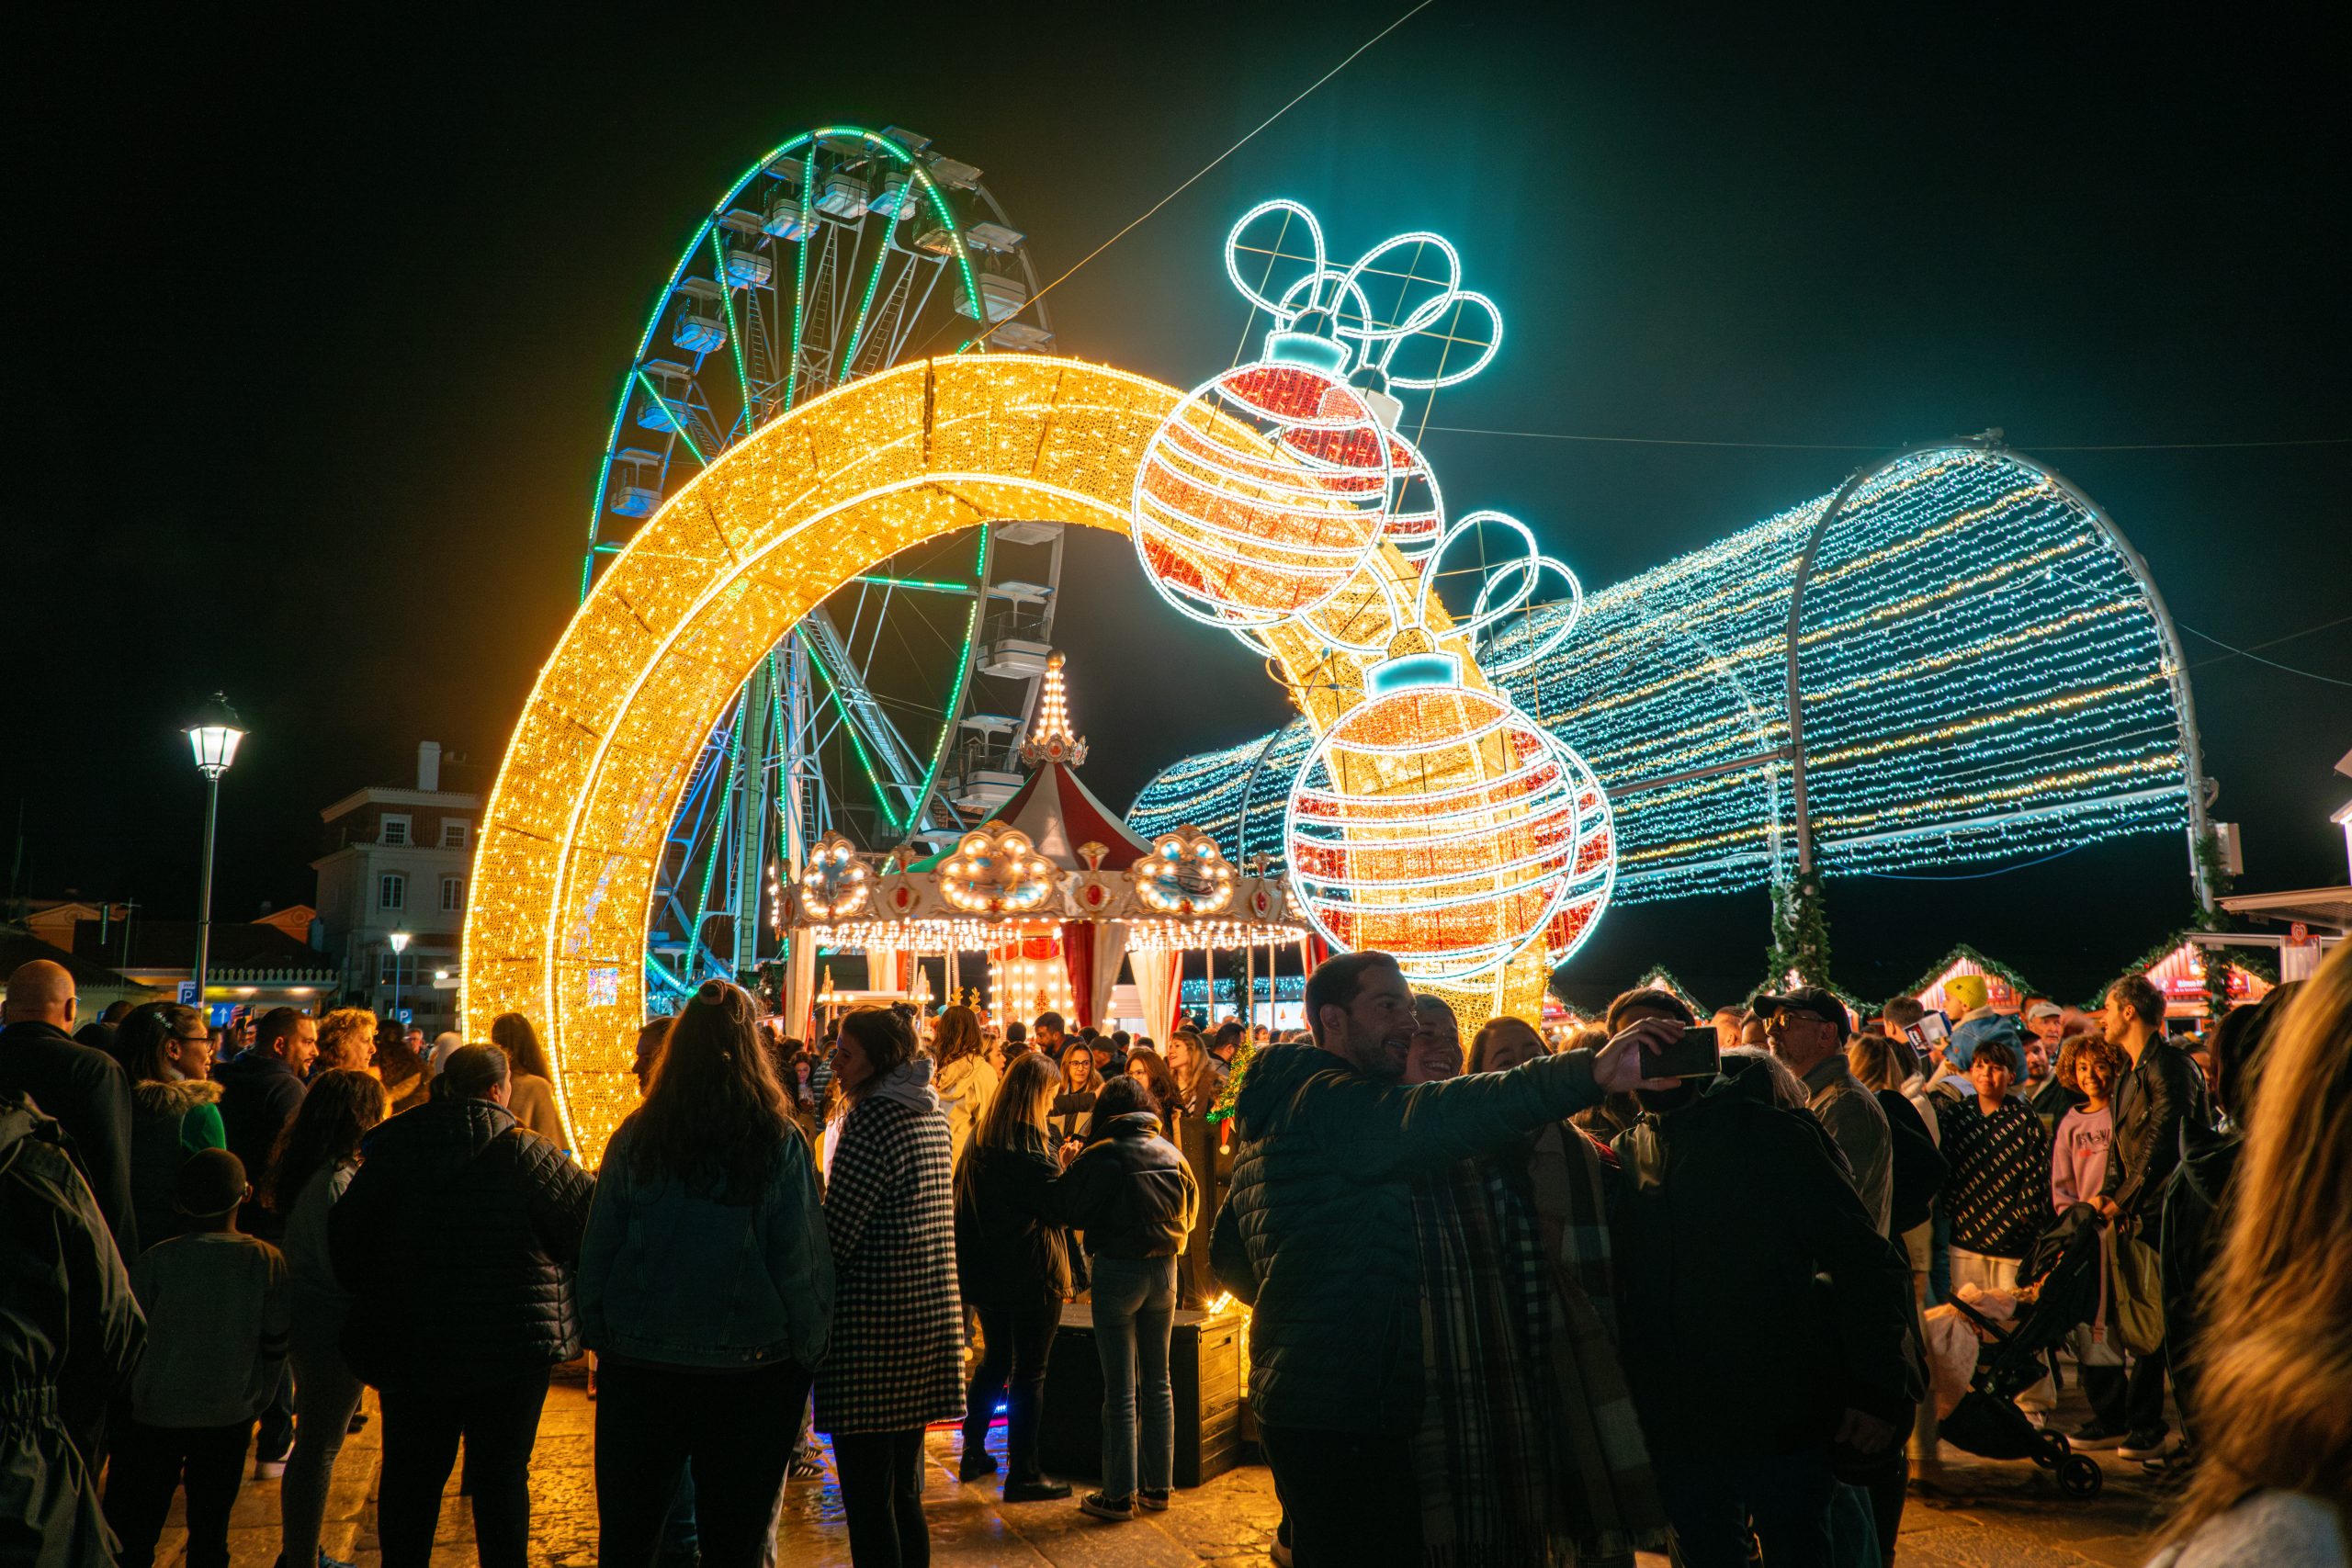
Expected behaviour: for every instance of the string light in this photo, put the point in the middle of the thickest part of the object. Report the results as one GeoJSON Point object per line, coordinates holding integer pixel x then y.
{"type": "Point", "coordinates": [1984, 680]}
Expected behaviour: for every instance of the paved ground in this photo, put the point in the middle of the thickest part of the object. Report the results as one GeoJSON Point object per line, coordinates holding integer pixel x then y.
{"type": "Point", "coordinates": [2002, 1514]}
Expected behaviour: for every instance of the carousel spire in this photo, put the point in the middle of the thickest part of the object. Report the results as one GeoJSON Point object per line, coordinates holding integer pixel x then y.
{"type": "Point", "coordinates": [1051, 739]}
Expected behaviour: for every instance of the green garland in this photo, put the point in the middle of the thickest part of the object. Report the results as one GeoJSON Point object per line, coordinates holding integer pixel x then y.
{"type": "Point", "coordinates": [1799, 933]}
{"type": "Point", "coordinates": [1990, 965]}
{"type": "Point", "coordinates": [1231, 1088]}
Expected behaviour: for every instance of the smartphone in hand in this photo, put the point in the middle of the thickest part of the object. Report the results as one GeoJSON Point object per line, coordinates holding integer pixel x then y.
{"type": "Point", "coordinates": [1698, 1054]}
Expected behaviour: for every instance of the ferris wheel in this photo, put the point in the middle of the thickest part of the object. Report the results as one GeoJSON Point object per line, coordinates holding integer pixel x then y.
{"type": "Point", "coordinates": [896, 710]}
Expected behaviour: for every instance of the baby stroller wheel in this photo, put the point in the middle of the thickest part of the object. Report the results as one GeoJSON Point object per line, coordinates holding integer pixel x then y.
{"type": "Point", "coordinates": [2052, 1449]}
{"type": "Point", "coordinates": [2080, 1476]}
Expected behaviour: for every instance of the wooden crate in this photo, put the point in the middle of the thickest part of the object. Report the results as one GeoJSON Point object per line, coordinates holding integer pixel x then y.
{"type": "Point", "coordinates": [1204, 1372]}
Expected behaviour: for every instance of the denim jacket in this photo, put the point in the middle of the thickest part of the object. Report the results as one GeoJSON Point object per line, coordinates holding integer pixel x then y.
{"type": "Point", "coordinates": [677, 1279]}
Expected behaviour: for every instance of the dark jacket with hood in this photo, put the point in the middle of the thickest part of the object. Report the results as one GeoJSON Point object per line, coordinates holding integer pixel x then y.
{"type": "Point", "coordinates": [89, 1095]}
{"type": "Point", "coordinates": [169, 1122]}
{"type": "Point", "coordinates": [2152, 1102]}
{"type": "Point", "coordinates": [1322, 1201]}
{"type": "Point", "coordinates": [1734, 1347]}
{"type": "Point", "coordinates": [1129, 1191]}
{"type": "Point", "coordinates": [1012, 1249]}
{"type": "Point", "coordinates": [260, 1092]}
{"type": "Point", "coordinates": [69, 1334]}
{"type": "Point", "coordinates": [457, 1240]}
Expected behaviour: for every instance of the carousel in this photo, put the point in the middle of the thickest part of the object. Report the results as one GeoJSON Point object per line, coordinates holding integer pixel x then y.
{"type": "Point", "coordinates": [1055, 892]}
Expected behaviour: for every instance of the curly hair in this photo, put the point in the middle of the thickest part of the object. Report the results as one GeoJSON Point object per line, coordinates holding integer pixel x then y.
{"type": "Point", "coordinates": [342, 1030]}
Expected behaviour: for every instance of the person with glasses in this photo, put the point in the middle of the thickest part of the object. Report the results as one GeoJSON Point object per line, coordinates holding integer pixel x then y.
{"type": "Point", "coordinates": [174, 1108]}
{"type": "Point", "coordinates": [1807, 1030]}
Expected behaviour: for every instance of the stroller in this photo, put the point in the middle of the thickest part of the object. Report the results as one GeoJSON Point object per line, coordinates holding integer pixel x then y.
{"type": "Point", "coordinates": [2059, 1288]}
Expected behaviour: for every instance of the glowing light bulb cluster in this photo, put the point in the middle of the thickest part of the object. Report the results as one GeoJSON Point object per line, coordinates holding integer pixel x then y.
{"type": "Point", "coordinates": [1184, 874]}
{"type": "Point", "coordinates": [1985, 680]}
{"type": "Point", "coordinates": [996, 869]}
{"type": "Point", "coordinates": [835, 883]}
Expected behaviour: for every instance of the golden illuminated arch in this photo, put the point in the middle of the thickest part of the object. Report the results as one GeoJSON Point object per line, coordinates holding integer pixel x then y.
{"type": "Point", "coordinates": [563, 874]}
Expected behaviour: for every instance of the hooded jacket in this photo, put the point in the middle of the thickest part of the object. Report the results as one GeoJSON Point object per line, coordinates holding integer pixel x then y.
{"type": "Point", "coordinates": [1322, 1202]}
{"type": "Point", "coordinates": [897, 1358]}
{"type": "Point", "coordinates": [964, 1089]}
{"type": "Point", "coordinates": [1734, 1347]}
{"type": "Point", "coordinates": [457, 1239]}
{"type": "Point", "coordinates": [169, 1122]}
{"type": "Point", "coordinates": [1130, 1192]}
{"type": "Point", "coordinates": [70, 1335]}
{"type": "Point", "coordinates": [89, 1095]}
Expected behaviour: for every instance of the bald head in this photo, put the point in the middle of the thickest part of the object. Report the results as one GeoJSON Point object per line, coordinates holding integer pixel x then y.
{"type": "Point", "coordinates": [40, 992]}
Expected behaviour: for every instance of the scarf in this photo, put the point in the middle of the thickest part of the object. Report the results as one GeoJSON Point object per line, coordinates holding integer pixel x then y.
{"type": "Point", "coordinates": [1528, 1449]}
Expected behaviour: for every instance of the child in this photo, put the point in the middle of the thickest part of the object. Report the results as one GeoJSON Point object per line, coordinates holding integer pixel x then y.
{"type": "Point", "coordinates": [2078, 1167]}
{"type": "Point", "coordinates": [217, 1307]}
{"type": "Point", "coordinates": [1998, 1192]}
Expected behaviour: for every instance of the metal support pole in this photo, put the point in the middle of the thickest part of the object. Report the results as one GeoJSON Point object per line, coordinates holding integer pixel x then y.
{"type": "Point", "coordinates": [396, 982]}
{"type": "Point", "coordinates": [749, 832]}
{"type": "Point", "coordinates": [204, 898]}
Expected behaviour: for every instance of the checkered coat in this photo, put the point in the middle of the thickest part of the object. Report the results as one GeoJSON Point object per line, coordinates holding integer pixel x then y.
{"type": "Point", "coordinates": [897, 1321]}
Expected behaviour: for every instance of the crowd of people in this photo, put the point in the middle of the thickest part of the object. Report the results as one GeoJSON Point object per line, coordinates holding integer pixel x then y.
{"type": "Point", "coordinates": [1511, 1301]}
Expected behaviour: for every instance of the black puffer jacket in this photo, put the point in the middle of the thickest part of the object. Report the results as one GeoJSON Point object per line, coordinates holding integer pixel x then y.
{"type": "Point", "coordinates": [458, 1237]}
{"type": "Point", "coordinates": [2153, 1102]}
{"type": "Point", "coordinates": [1010, 1250]}
{"type": "Point", "coordinates": [1129, 1191]}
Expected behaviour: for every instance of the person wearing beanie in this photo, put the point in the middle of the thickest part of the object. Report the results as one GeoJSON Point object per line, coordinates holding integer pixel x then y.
{"type": "Point", "coordinates": [217, 1305]}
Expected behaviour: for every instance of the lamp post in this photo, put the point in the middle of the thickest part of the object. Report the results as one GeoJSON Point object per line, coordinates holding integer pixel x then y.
{"type": "Point", "coordinates": [213, 738]}
{"type": "Point", "coordinates": [399, 945]}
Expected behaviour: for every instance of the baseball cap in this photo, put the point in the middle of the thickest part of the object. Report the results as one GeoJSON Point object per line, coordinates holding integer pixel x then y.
{"type": "Point", "coordinates": [1822, 1004]}
{"type": "Point", "coordinates": [211, 1181]}
{"type": "Point", "coordinates": [2045, 1009]}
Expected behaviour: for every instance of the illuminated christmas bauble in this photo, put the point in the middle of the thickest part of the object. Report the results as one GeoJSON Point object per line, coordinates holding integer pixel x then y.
{"type": "Point", "coordinates": [1437, 822]}
{"type": "Point", "coordinates": [1416, 519]}
{"type": "Point", "coordinates": [1261, 494]}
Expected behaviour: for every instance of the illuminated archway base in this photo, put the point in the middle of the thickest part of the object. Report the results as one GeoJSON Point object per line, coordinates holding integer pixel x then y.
{"type": "Point", "coordinates": [564, 869]}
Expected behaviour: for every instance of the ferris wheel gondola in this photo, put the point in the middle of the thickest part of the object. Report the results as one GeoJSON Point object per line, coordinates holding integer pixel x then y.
{"type": "Point", "coordinates": [895, 708]}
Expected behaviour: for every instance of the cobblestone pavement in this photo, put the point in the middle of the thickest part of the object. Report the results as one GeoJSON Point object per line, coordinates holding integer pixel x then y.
{"type": "Point", "coordinates": [2004, 1514]}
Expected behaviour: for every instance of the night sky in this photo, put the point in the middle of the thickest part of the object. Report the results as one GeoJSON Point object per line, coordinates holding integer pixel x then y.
{"type": "Point", "coordinates": [320, 325]}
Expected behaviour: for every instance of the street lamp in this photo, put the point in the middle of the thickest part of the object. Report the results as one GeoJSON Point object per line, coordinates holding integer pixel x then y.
{"type": "Point", "coordinates": [213, 738]}
{"type": "Point", "coordinates": [399, 945]}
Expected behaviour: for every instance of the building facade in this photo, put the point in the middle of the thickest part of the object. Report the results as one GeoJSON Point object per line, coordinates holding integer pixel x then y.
{"type": "Point", "coordinates": [399, 860]}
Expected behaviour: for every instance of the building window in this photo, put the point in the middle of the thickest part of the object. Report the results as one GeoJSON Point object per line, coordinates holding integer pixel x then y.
{"type": "Point", "coordinates": [453, 893]}
{"type": "Point", "coordinates": [391, 891]}
{"type": "Point", "coordinates": [453, 835]}
{"type": "Point", "coordinates": [394, 831]}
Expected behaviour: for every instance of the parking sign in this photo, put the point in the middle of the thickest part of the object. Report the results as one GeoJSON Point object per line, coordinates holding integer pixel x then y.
{"type": "Point", "coordinates": [187, 993]}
